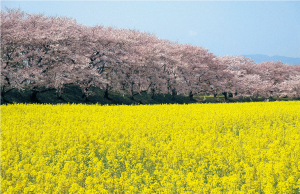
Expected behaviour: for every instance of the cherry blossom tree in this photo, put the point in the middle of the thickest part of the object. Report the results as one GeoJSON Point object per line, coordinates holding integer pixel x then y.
{"type": "Point", "coordinates": [46, 53]}
{"type": "Point", "coordinates": [153, 74]}
{"type": "Point", "coordinates": [290, 87]}
{"type": "Point", "coordinates": [193, 65]}
{"type": "Point", "coordinates": [248, 85]}
{"type": "Point", "coordinates": [143, 70]}
{"type": "Point", "coordinates": [235, 68]}
{"type": "Point", "coordinates": [274, 73]}
{"type": "Point", "coordinates": [103, 54]}
{"type": "Point", "coordinates": [9, 52]}
{"type": "Point", "coordinates": [41, 51]}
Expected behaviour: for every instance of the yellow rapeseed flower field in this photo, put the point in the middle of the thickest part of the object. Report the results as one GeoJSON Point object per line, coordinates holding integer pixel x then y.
{"type": "Point", "coordinates": [196, 148]}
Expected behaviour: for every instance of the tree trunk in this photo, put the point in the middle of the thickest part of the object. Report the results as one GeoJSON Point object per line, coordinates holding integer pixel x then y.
{"type": "Point", "coordinates": [173, 94]}
{"type": "Point", "coordinates": [33, 97]}
{"type": "Point", "coordinates": [106, 93]}
{"type": "Point", "coordinates": [131, 92]}
{"type": "Point", "coordinates": [84, 96]}
{"type": "Point", "coordinates": [152, 93]}
{"type": "Point", "coordinates": [58, 95]}
{"type": "Point", "coordinates": [215, 95]}
{"type": "Point", "coordinates": [225, 95]}
{"type": "Point", "coordinates": [3, 92]}
{"type": "Point", "coordinates": [58, 91]}
{"type": "Point", "coordinates": [191, 95]}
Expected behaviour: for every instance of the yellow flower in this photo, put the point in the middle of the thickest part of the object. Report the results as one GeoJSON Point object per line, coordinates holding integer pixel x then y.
{"type": "Point", "coordinates": [197, 148]}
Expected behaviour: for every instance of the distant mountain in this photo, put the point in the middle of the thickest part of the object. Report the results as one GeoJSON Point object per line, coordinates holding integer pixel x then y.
{"type": "Point", "coordinates": [264, 58]}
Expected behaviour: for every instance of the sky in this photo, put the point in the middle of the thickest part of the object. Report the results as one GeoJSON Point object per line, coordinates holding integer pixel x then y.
{"type": "Point", "coordinates": [224, 27]}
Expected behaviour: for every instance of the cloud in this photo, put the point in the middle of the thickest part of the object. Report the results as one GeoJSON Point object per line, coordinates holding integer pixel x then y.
{"type": "Point", "coordinates": [192, 33]}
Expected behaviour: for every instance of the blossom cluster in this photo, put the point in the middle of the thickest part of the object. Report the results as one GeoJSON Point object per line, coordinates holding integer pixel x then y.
{"type": "Point", "coordinates": [195, 148]}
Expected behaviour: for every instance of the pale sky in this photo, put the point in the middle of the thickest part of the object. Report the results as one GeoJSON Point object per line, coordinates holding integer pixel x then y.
{"type": "Point", "coordinates": [224, 27]}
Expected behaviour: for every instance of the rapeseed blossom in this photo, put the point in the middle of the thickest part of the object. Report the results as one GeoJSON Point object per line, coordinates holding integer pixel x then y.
{"type": "Point", "coordinates": [196, 148]}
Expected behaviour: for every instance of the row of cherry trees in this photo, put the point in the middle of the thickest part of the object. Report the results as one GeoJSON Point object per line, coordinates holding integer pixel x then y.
{"type": "Point", "coordinates": [50, 52]}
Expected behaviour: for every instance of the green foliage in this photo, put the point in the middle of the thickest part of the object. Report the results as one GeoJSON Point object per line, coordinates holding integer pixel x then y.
{"type": "Point", "coordinates": [73, 94]}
